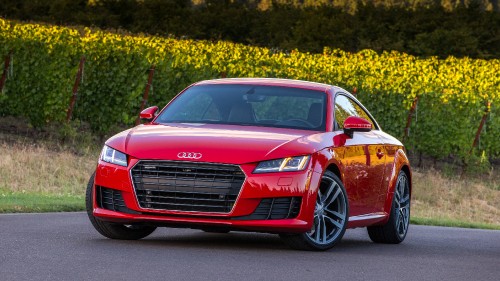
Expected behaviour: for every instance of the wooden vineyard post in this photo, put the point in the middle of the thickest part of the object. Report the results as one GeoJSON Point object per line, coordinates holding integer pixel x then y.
{"type": "Point", "coordinates": [476, 138]}
{"type": "Point", "coordinates": [408, 120]}
{"type": "Point", "coordinates": [480, 128]}
{"type": "Point", "coordinates": [78, 78]}
{"type": "Point", "coordinates": [5, 70]}
{"type": "Point", "coordinates": [146, 93]}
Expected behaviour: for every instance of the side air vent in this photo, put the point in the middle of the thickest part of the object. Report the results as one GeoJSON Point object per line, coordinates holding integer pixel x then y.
{"type": "Point", "coordinates": [111, 199]}
{"type": "Point", "coordinates": [275, 209]}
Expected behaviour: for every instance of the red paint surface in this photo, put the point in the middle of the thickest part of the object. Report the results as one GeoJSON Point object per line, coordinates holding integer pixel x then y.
{"type": "Point", "coordinates": [354, 122]}
{"type": "Point", "coordinates": [148, 113]}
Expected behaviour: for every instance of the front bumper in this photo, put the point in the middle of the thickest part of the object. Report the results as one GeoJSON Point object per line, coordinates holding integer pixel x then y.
{"type": "Point", "coordinates": [256, 187]}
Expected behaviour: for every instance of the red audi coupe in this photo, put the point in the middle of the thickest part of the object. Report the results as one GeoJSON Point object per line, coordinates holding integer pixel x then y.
{"type": "Point", "coordinates": [300, 159]}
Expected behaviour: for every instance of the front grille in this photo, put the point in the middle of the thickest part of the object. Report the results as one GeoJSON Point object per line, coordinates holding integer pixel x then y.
{"type": "Point", "coordinates": [275, 209]}
{"type": "Point", "coordinates": [111, 199]}
{"type": "Point", "coordinates": [187, 186]}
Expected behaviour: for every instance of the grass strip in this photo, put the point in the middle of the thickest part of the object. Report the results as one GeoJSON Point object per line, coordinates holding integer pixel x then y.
{"type": "Point", "coordinates": [452, 223]}
{"type": "Point", "coordinates": [17, 202]}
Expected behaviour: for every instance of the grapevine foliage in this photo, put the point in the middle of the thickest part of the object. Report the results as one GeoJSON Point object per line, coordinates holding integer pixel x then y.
{"type": "Point", "coordinates": [452, 92]}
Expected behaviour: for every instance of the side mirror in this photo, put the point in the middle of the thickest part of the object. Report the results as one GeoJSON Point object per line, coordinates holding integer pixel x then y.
{"type": "Point", "coordinates": [149, 113]}
{"type": "Point", "coordinates": [356, 124]}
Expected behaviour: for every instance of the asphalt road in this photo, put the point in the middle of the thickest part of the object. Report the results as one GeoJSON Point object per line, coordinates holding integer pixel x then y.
{"type": "Point", "coordinates": [64, 246]}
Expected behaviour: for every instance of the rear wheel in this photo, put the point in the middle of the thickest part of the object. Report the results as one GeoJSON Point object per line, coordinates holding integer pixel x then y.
{"type": "Point", "coordinates": [396, 228]}
{"type": "Point", "coordinates": [114, 230]}
{"type": "Point", "coordinates": [330, 217]}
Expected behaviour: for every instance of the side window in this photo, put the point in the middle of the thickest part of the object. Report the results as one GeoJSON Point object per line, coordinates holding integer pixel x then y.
{"type": "Point", "coordinates": [345, 107]}
{"type": "Point", "coordinates": [362, 113]}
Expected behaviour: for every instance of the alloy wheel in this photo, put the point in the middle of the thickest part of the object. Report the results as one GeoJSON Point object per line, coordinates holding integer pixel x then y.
{"type": "Point", "coordinates": [402, 200]}
{"type": "Point", "coordinates": [330, 213]}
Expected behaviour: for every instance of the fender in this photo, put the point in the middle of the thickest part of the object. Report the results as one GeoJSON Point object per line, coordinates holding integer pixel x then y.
{"type": "Point", "coordinates": [400, 162]}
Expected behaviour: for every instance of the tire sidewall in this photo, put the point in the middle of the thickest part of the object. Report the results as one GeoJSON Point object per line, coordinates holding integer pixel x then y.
{"type": "Point", "coordinates": [394, 211]}
{"type": "Point", "coordinates": [89, 197]}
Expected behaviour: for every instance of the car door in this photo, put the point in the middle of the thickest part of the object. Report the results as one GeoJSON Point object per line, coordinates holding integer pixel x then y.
{"type": "Point", "coordinates": [364, 160]}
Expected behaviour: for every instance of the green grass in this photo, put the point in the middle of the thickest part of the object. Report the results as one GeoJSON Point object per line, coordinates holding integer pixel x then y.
{"type": "Point", "coordinates": [18, 202]}
{"type": "Point", "coordinates": [452, 223]}
{"type": "Point", "coordinates": [54, 179]}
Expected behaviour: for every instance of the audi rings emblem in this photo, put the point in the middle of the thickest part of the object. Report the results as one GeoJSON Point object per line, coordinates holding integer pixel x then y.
{"type": "Point", "coordinates": [189, 155]}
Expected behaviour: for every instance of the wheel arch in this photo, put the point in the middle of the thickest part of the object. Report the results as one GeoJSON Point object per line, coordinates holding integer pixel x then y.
{"type": "Point", "coordinates": [335, 169]}
{"type": "Point", "coordinates": [401, 163]}
{"type": "Point", "coordinates": [406, 168]}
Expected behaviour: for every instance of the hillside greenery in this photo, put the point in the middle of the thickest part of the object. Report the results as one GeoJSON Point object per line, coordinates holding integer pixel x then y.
{"type": "Point", "coordinates": [418, 27]}
{"type": "Point", "coordinates": [453, 93]}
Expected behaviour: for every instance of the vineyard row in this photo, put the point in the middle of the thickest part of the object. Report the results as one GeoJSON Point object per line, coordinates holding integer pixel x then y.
{"type": "Point", "coordinates": [453, 95]}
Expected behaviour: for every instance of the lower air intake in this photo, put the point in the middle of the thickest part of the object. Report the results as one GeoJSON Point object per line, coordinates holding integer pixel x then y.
{"type": "Point", "coordinates": [110, 199]}
{"type": "Point", "coordinates": [275, 209]}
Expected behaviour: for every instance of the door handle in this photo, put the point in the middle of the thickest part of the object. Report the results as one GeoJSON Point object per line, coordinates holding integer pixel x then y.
{"type": "Point", "coordinates": [380, 154]}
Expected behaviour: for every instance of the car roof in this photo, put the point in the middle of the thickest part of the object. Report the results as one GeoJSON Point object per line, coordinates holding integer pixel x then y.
{"type": "Point", "coordinates": [269, 82]}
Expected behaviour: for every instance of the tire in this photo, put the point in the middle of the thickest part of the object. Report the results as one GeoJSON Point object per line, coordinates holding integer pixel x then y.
{"type": "Point", "coordinates": [396, 228]}
{"type": "Point", "coordinates": [330, 218]}
{"type": "Point", "coordinates": [113, 230]}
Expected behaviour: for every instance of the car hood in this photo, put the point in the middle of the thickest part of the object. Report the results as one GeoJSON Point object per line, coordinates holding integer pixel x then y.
{"type": "Point", "coordinates": [216, 143]}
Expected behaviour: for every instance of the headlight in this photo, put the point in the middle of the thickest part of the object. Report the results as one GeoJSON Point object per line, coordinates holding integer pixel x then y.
{"type": "Point", "coordinates": [113, 156]}
{"type": "Point", "coordinates": [297, 163]}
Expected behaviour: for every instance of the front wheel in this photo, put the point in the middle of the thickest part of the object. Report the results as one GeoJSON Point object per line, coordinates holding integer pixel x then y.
{"type": "Point", "coordinates": [114, 230]}
{"type": "Point", "coordinates": [330, 217]}
{"type": "Point", "coordinates": [396, 228]}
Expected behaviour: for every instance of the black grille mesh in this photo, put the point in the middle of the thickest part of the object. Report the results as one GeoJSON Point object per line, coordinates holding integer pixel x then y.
{"type": "Point", "coordinates": [186, 186]}
{"type": "Point", "coordinates": [275, 209]}
{"type": "Point", "coordinates": [111, 199]}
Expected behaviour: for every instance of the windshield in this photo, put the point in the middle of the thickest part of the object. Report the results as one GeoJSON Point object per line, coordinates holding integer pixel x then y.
{"type": "Point", "coordinates": [249, 105]}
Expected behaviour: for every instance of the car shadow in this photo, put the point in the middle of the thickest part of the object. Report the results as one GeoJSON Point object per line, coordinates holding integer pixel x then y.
{"type": "Point", "coordinates": [234, 241]}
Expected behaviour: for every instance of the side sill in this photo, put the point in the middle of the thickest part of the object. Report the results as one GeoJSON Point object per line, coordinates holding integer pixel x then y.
{"type": "Point", "coordinates": [368, 216]}
{"type": "Point", "coordinates": [367, 220]}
